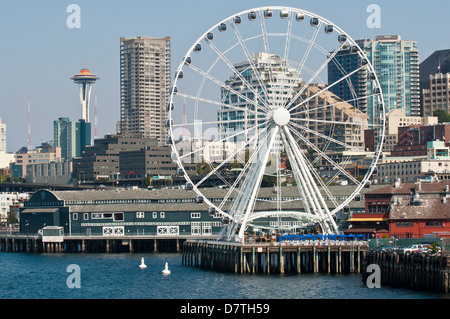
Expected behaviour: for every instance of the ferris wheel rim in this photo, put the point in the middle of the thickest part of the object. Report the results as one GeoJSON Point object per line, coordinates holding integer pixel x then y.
{"type": "Point", "coordinates": [349, 40]}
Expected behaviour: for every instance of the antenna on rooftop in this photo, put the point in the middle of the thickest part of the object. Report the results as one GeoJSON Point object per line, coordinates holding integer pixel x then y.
{"type": "Point", "coordinates": [29, 144]}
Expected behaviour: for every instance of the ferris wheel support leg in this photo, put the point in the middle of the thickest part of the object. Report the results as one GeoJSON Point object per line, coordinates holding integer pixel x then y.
{"type": "Point", "coordinates": [256, 182]}
{"type": "Point", "coordinates": [307, 181]}
{"type": "Point", "coordinates": [328, 220]}
{"type": "Point", "coordinates": [301, 185]}
{"type": "Point", "coordinates": [240, 203]}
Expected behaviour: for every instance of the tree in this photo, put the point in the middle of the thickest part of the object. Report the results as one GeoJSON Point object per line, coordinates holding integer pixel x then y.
{"type": "Point", "coordinates": [442, 116]}
{"type": "Point", "coordinates": [268, 181]}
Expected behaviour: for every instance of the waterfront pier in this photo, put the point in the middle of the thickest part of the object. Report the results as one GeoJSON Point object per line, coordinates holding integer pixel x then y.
{"type": "Point", "coordinates": [275, 258]}
{"type": "Point", "coordinates": [411, 271]}
{"type": "Point", "coordinates": [92, 244]}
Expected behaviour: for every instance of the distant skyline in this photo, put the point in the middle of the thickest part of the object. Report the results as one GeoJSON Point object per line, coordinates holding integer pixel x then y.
{"type": "Point", "coordinates": [40, 54]}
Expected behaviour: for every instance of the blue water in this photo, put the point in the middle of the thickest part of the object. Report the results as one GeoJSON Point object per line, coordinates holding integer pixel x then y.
{"type": "Point", "coordinates": [118, 276]}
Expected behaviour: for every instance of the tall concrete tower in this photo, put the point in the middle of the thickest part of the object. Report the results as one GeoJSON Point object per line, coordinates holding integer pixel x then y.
{"type": "Point", "coordinates": [145, 77]}
{"type": "Point", "coordinates": [84, 79]}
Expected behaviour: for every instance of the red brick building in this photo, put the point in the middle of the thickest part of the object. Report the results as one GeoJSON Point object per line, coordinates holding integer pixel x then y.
{"type": "Point", "coordinates": [405, 210]}
{"type": "Point", "coordinates": [421, 134]}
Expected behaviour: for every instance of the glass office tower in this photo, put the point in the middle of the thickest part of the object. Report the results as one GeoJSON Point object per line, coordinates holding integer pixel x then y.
{"type": "Point", "coordinates": [396, 63]}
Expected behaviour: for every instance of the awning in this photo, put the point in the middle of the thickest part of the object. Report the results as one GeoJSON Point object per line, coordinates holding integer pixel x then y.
{"type": "Point", "coordinates": [368, 219]}
{"type": "Point", "coordinates": [38, 210]}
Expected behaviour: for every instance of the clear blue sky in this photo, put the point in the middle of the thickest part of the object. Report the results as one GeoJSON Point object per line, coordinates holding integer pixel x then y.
{"type": "Point", "coordinates": [39, 53]}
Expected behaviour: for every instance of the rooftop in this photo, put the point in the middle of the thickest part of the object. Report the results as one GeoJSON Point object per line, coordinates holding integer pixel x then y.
{"type": "Point", "coordinates": [408, 188]}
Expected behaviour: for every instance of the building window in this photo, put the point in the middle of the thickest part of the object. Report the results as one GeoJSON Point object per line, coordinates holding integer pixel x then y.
{"type": "Point", "coordinates": [195, 215]}
{"type": "Point", "coordinates": [118, 217]}
{"type": "Point", "coordinates": [140, 214]}
{"type": "Point", "coordinates": [404, 224]}
{"type": "Point", "coordinates": [155, 215]}
{"type": "Point", "coordinates": [162, 215]}
{"type": "Point", "coordinates": [75, 216]}
{"type": "Point", "coordinates": [85, 216]}
{"type": "Point", "coordinates": [434, 224]}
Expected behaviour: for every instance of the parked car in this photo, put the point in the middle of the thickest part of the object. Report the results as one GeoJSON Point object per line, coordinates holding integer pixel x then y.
{"type": "Point", "coordinates": [393, 249]}
{"type": "Point", "coordinates": [430, 251]}
{"type": "Point", "coordinates": [414, 248]}
{"type": "Point", "coordinates": [381, 248]}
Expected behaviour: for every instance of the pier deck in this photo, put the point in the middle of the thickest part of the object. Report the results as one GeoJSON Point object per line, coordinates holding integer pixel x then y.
{"type": "Point", "coordinates": [83, 243]}
{"type": "Point", "coordinates": [345, 257]}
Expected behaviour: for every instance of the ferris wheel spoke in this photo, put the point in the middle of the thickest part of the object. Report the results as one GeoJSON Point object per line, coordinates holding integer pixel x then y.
{"type": "Point", "coordinates": [326, 157]}
{"type": "Point", "coordinates": [266, 42]}
{"type": "Point", "coordinates": [322, 184]}
{"type": "Point", "coordinates": [264, 32]}
{"type": "Point", "coordinates": [241, 200]}
{"type": "Point", "coordinates": [287, 45]}
{"type": "Point", "coordinates": [301, 185]}
{"type": "Point", "coordinates": [221, 84]}
{"type": "Point", "coordinates": [313, 109]}
{"type": "Point", "coordinates": [317, 198]}
{"type": "Point", "coordinates": [311, 43]}
{"type": "Point", "coordinates": [229, 158]}
{"type": "Point", "coordinates": [314, 76]}
{"type": "Point", "coordinates": [200, 99]}
{"type": "Point", "coordinates": [250, 183]}
{"type": "Point", "coordinates": [211, 122]}
{"type": "Point", "coordinates": [325, 52]}
{"type": "Point", "coordinates": [325, 89]}
{"type": "Point", "coordinates": [328, 138]}
{"type": "Point", "coordinates": [301, 178]}
{"type": "Point", "coordinates": [224, 139]}
{"type": "Point", "coordinates": [336, 122]}
{"type": "Point", "coordinates": [251, 160]}
{"type": "Point", "coordinates": [255, 183]}
{"type": "Point", "coordinates": [237, 73]}
{"type": "Point", "coordinates": [250, 60]}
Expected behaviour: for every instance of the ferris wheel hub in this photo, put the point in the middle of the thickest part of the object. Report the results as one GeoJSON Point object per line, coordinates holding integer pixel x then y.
{"type": "Point", "coordinates": [281, 116]}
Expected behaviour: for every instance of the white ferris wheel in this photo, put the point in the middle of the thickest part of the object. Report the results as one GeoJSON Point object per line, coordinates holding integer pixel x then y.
{"type": "Point", "coordinates": [272, 103]}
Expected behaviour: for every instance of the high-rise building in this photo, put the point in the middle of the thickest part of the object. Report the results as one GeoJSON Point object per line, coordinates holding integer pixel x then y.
{"type": "Point", "coordinates": [71, 136]}
{"type": "Point", "coordinates": [435, 82]}
{"type": "Point", "coordinates": [437, 96]}
{"type": "Point", "coordinates": [437, 62]}
{"type": "Point", "coordinates": [145, 79]}
{"type": "Point", "coordinates": [2, 137]}
{"type": "Point", "coordinates": [396, 63]}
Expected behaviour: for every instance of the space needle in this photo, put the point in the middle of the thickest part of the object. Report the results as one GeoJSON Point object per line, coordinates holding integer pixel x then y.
{"type": "Point", "coordinates": [84, 79]}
